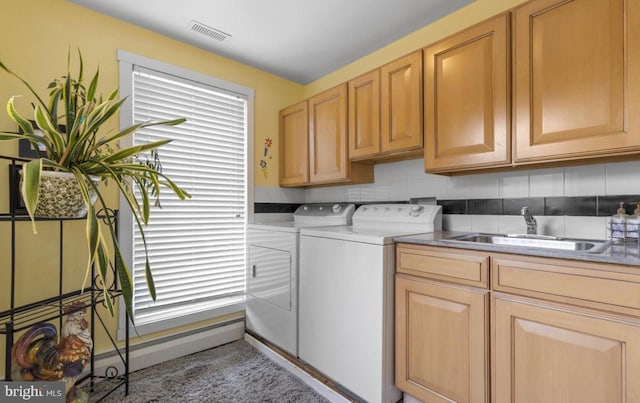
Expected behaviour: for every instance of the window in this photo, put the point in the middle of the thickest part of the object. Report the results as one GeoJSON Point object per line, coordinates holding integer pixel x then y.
{"type": "Point", "coordinates": [196, 246]}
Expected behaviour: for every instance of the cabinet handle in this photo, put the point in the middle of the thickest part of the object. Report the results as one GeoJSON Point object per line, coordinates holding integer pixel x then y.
{"type": "Point", "coordinates": [253, 270]}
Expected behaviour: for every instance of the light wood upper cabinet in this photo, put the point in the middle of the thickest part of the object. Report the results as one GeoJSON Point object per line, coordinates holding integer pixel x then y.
{"type": "Point", "coordinates": [467, 95]}
{"type": "Point", "coordinates": [552, 353]}
{"type": "Point", "coordinates": [328, 158]}
{"type": "Point", "coordinates": [577, 79]}
{"type": "Point", "coordinates": [364, 115]}
{"type": "Point", "coordinates": [401, 104]}
{"type": "Point", "coordinates": [313, 143]}
{"type": "Point", "coordinates": [294, 145]}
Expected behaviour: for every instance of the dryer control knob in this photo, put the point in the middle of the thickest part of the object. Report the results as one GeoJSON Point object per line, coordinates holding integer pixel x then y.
{"type": "Point", "coordinates": [305, 208]}
{"type": "Point", "coordinates": [416, 210]}
{"type": "Point", "coordinates": [336, 208]}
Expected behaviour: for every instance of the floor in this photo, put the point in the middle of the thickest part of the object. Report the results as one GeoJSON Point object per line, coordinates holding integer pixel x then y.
{"type": "Point", "coordinates": [297, 368]}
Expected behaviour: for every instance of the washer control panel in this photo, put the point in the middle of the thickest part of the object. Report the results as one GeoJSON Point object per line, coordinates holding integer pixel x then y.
{"type": "Point", "coordinates": [324, 214]}
{"type": "Point", "coordinates": [428, 216]}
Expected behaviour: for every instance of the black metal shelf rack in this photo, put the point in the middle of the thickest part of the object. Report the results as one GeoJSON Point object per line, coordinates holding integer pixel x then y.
{"type": "Point", "coordinates": [22, 317]}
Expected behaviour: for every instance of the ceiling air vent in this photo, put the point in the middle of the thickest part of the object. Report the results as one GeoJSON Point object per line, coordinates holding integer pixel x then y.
{"type": "Point", "coordinates": [208, 31]}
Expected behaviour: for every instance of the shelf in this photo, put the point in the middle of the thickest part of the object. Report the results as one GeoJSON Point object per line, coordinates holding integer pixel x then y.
{"type": "Point", "coordinates": [22, 317]}
{"type": "Point", "coordinates": [23, 217]}
{"type": "Point", "coordinates": [48, 309]}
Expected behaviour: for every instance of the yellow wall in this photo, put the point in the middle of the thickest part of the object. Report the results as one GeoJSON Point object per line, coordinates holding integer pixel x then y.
{"type": "Point", "coordinates": [35, 40]}
{"type": "Point", "coordinates": [36, 37]}
{"type": "Point", "coordinates": [475, 12]}
{"type": "Point", "coordinates": [454, 22]}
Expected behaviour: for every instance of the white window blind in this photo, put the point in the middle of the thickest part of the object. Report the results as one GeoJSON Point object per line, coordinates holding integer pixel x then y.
{"type": "Point", "coordinates": [196, 246]}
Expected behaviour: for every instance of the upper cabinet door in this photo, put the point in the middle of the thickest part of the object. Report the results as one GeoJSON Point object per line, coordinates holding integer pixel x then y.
{"type": "Point", "coordinates": [577, 73]}
{"type": "Point", "coordinates": [401, 103]}
{"type": "Point", "coordinates": [364, 115]}
{"type": "Point", "coordinates": [328, 159]}
{"type": "Point", "coordinates": [294, 145]}
{"type": "Point", "coordinates": [467, 99]}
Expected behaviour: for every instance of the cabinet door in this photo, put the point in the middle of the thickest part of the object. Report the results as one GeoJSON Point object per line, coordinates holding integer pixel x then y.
{"type": "Point", "coordinates": [364, 115]}
{"type": "Point", "coordinates": [328, 160]}
{"type": "Point", "coordinates": [294, 145]}
{"type": "Point", "coordinates": [577, 73]}
{"type": "Point", "coordinates": [441, 341]}
{"type": "Point", "coordinates": [467, 99]}
{"type": "Point", "coordinates": [401, 103]}
{"type": "Point", "coordinates": [552, 354]}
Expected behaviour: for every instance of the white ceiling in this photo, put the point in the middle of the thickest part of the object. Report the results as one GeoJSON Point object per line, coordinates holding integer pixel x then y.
{"type": "Point", "coordinates": [295, 39]}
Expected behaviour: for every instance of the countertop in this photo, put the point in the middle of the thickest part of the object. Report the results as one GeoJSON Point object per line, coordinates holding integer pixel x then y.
{"type": "Point", "coordinates": [627, 254]}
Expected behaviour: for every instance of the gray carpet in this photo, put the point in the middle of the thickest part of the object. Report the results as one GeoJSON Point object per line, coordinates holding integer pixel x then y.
{"type": "Point", "coordinates": [234, 372]}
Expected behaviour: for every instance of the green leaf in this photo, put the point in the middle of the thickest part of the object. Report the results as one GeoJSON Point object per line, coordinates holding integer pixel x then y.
{"type": "Point", "coordinates": [11, 136]}
{"type": "Point", "coordinates": [102, 260]}
{"type": "Point", "coordinates": [93, 86]}
{"type": "Point", "coordinates": [29, 189]}
{"type": "Point", "coordinates": [150, 283]}
{"type": "Point", "coordinates": [130, 151]}
{"type": "Point", "coordinates": [108, 300]}
{"type": "Point", "coordinates": [23, 123]}
{"type": "Point", "coordinates": [81, 69]}
{"type": "Point", "coordinates": [26, 84]}
{"type": "Point", "coordinates": [126, 285]}
{"type": "Point", "coordinates": [57, 140]}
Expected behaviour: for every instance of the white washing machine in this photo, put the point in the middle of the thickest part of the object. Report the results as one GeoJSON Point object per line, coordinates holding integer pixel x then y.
{"type": "Point", "coordinates": [346, 327]}
{"type": "Point", "coordinates": [272, 272]}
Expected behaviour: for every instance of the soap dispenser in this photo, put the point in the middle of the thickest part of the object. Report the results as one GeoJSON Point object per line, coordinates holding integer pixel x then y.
{"type": "Point", "coordinates": [618, 223]}
{"type": "Point", "coordinates": [633, 222]}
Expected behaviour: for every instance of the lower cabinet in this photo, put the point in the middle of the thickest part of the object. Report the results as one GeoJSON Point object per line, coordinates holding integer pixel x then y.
{"type": "Point", "coordinates": [441, 341]}
{"type": "Point", "coordinates": [542, 330]}
{"type": "Point", "coordinates": [555, 353]}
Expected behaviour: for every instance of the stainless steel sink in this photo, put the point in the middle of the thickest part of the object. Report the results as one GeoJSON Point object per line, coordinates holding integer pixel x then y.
{"type": "Point", "coordinates": [533, 241]}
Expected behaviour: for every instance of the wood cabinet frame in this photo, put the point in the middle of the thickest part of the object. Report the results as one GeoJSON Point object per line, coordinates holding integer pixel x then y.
{"type": "Point", "coordinates": [559, 330]}
{"type": "Point", "coordinates": [467, 98]}
{"type": "Point", "coordinates": [590, 105]}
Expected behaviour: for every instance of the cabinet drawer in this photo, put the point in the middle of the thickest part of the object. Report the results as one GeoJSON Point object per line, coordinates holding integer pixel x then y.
{"type": "Point", "coordinates": [456, 266]}
{"type": "Point", "coordinates": [585, 284]}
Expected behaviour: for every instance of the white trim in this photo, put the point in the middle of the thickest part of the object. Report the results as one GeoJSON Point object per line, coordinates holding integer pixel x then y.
{"type": "Point", "coordinates": [173, 347]}
{"type": "Point", "coordinates": [127, 61]}
{"type": "Point", "coordinates": [299, 373]}
{"type": "Point", "coordinates": [133, 59]}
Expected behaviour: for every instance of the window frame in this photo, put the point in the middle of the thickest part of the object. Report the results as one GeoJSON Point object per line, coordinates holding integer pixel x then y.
{"type": "Point", "coordinates": [127, 61]}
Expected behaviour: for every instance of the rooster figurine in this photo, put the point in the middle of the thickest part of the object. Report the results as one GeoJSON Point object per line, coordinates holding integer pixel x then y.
{"type": "Point", "coordinates": [40, 357]}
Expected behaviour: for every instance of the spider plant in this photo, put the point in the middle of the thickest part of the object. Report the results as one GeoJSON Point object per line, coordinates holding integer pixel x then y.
{"type": "Point", "coordinates": [84, 150]}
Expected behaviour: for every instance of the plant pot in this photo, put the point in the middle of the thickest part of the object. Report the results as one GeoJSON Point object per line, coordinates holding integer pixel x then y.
{"type": "Point", "coordinates": [59, 196]}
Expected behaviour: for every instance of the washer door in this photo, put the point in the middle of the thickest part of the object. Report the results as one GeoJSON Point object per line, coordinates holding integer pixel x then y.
{"type": "Point", "coordinates": [269, 277]}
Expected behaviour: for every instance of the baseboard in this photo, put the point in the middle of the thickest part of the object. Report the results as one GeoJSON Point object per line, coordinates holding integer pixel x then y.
{"type": "Point", "coordinates": [155, 352]}
{"type": "Point", "coordinates": [298, 372]}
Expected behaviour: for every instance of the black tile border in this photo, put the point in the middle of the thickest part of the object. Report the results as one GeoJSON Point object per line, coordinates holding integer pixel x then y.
{"type": "Point", "coordinates": [275, 207]}
{"type": "Point", "coordinates": [607, 205]}
{"type": "Point", "coordinates": [595, 206]}
{"type": "Point", "coordinates": [453, 206]}
{"type": "Point", "coordinates": [514, 206]}
{"type": "Point", "coordinates": [575, 206]}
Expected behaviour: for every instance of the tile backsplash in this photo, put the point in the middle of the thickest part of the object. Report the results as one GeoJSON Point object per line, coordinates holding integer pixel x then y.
{"type": "Point", "coordinates": [571, 201]}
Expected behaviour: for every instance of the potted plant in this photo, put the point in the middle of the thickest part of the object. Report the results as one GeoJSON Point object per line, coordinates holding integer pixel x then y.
{"type": "Point", "coordinates": [70, 143]}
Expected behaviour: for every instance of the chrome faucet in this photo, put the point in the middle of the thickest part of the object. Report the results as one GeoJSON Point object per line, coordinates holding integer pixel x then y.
{"type": "Point", "coordinates": [532, 225]}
